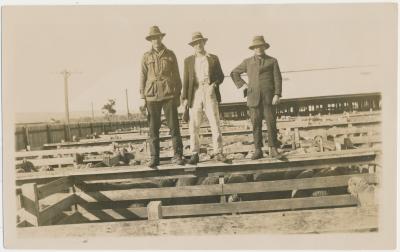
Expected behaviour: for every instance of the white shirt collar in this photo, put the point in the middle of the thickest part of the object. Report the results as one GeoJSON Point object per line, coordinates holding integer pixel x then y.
{"type": "Point", "coordinates": [206, 54]}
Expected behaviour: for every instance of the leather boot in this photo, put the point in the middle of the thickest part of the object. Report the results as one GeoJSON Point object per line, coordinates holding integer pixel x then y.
{"type": "Point", "coordinates": [257, 154]}
{"type": "Point", "coordinates": [222, 158]}
{"type": "Point", "coordinates": [194, 159]}
{"type": "Point", "coordinates": [273, 153]}
{"type": "Point", "coordinates": [154, 161]}
{"type": "Point", "coordinates": [177, 159]}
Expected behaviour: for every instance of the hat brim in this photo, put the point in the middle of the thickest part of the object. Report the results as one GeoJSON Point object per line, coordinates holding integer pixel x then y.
{"type": "Point", "coordinates": [155, 36]}
{"type": "Point", "coordinates": [258, 45]}
{"type": "Point", "coordinates": [193, 42]}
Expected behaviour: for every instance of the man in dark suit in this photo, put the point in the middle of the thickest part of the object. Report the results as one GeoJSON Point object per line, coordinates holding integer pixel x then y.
{"type": "Point", "coordinates": [263, 93]}
{"type": "Point", "coordinates": [201, 80]}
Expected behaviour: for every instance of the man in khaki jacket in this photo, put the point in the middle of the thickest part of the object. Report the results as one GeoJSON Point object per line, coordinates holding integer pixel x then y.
{"type": "Point", "coordinates": [160, 88]}
{"type": "Point", "coordinates": [263, 93]}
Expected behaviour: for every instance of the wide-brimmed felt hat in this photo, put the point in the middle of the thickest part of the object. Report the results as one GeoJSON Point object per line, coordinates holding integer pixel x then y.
{"type": "Point", "coordinates": [258, 41]}
{"type": "Point", "coordinates": [196, 37]}
{"type": "Point", "coordinates": [154, 32]}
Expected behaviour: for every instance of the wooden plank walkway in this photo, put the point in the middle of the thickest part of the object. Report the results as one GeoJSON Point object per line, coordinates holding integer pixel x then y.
{"type": "Point", "coordinates": [348, 219]}
{"type": "Point", "coordinates": [292, 162]}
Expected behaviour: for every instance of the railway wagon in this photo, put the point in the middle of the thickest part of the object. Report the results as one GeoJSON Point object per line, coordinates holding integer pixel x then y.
{"type": "Point", "coordinates": [334, 104]}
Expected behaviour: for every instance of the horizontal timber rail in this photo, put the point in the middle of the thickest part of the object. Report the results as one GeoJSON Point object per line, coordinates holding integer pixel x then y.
{"type": "Point", "coordinates": [224, 189]}
{"type": "Point", "coordinates": [357, 136]}
{"type": "Point", "coordinates": [73, 199]}
{"type": "Point", "coordinates": [87, 202]}
{"type": "Point", "coordinates": [349, 219]}
{"type": "Point", "coordinates": [303, 125]}
{"type": "Point", "coordinates": [57, 152]}
{"type": "Point", "coordinates": [294, 162]}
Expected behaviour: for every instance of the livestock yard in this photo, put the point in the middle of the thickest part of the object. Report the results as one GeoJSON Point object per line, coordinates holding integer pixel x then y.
{"type": "Point", "coordinates": [326, 181]}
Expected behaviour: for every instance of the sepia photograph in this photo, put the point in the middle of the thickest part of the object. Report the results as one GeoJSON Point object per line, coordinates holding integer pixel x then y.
{"type": "Point", "coordinates": [235, 126]}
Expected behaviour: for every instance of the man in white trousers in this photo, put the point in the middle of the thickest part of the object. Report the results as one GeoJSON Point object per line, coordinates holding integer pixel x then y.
{"type": "Point", "coordinates": [201, 79]}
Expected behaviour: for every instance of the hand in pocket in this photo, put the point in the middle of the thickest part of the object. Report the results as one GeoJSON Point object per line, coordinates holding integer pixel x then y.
{"type": "Point", "coordinates": [211, 89]}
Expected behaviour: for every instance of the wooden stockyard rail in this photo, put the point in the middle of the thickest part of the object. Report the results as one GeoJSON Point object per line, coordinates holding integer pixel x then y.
{"type": "Point", "coordinates": [364, 136]}
{"type": "Point", "coordinates": [35, 135]}
{"type": "Point", "coordinates": [365, 120]}
{"type": "Point", "coordinates": [81, 197]}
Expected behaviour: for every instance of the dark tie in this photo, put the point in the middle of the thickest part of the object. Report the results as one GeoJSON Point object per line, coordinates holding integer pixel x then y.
{"type": "Point", "coordinates": [260, 60]}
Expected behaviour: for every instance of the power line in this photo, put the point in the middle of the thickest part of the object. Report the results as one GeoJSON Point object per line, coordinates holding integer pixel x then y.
{"type": "Point", "coordinates": [323, 69]}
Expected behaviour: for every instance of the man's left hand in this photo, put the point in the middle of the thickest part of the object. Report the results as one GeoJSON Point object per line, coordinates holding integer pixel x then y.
{"type": "Point", "coordinates": [275, 100]}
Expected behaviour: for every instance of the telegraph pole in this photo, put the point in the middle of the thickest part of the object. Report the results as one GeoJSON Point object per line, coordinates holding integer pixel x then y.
{"type": "Point", "coordinates": [66, 74]}
{"type": "Point", "coordinates": [92, 113]}
{"type": "Point", "coordinates": [127, 104]}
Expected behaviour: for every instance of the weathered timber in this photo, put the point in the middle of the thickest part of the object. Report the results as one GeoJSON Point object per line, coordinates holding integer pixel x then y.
{"type": "Point", "coordinates": [222, 189]}
{"type": "Point", "coordinates": [64, 151]}
{"type": "Point", "coordinates": [258, 206]}
{"type": "Point", "coordinates": [154, 211]}
{"type": "Point", "coordinates": [348, 219]}
{"type": "Point", "coordinates": [30, 204]}
{"type": "Point", "coordinates": [49, 161]}
{"type": "Point", "coordinates": [52, 211]}
{"type": "Point", "coordinates": [152, 193]}
{"type": "Point", "coordinates": [295, 184]}
{"type": "Point", "coordinates": [56, 186]}
{"type": "Point", "coordinates": [175, 211]}
{"type": "Point", "coordinates": [293, 162]}
{"type": "Point", "coordinates": [295, 124]}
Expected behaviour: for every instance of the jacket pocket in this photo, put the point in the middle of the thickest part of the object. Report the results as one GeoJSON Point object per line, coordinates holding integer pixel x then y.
{"type": "Point", "coordinates": [211, 91]}
{"type": "Point", "coordinates": [149, 89]}
{"type": "Point", "coordinates": [166, 64]}
{"type": "Point", "coordinates": [149, 61]}
{"type": "Point", "coordinates": [166, 87]}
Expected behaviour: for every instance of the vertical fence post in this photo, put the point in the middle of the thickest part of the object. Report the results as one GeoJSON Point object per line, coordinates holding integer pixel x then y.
{"type": "Point", "coordinates": [297, 137]}
{"type": "Point", "coordinates": [66, 133]}
{"type": "Point", "coordinates": [72, 190]}
{"type": "Point", "coordinates": [26, 137]}
{"type": "Point", "coordinates": [221, 182]}
{"type": "Point", "coordinates": [293, 138]}
{"type": "Point", "coordinates": [48, 133]}
{"type": "Point", "coordinates": [103, 127]}
{"type": "Point", "coordinates": [154, 210]}
{"type": "Point", "coordinates": [30, 203]}
{"type": "Point", "coordinates": [369, 138]}
{"type": "Point", "coordinates": [79, 130]}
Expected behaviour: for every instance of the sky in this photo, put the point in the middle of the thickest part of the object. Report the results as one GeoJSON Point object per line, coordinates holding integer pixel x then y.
{"type": "Point", "coordinates": [106, 43]}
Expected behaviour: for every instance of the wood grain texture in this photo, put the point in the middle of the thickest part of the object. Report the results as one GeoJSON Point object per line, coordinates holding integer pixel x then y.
{"type": "Point", "coordinates": [52, 211]}
{"type": "Point", "coordinates": [349, 219]}
{"type": "Point", "coordinates": [292, 161]}
{"type": "Point", "coordinates": [56, 186]}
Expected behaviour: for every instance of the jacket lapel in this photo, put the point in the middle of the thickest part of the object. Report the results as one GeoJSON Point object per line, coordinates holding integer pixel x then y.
{"type": "Point", "coordinates": [191, 67]}
{"type": "Point", "coordinates": [210, 65]}
{"type": "Point", "coordinates": [256, 65]}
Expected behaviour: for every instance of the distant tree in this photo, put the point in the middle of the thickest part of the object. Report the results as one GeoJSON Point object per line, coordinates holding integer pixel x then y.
{"type": "Point", "coordinates": [108, 109]}
{"type": "Point", "coordinates": [52, 120]}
